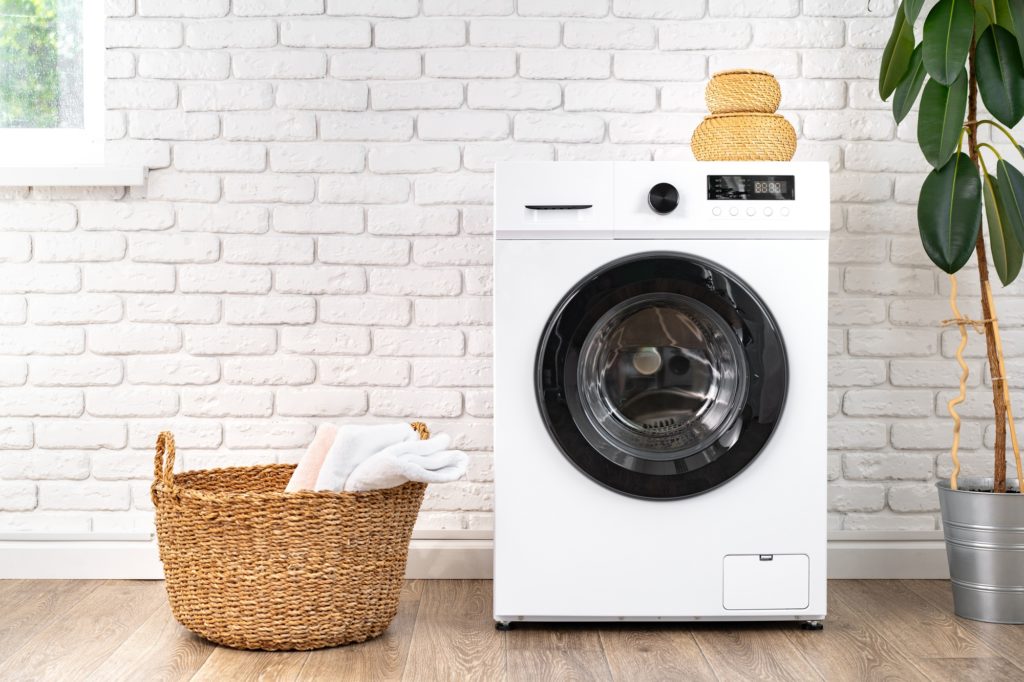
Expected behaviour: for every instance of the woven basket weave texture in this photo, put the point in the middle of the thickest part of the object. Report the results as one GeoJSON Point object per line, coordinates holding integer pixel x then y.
{"type": "Point", "coordinates": [252, 567]}
{"type": "Point", "coordinates": [730, 92]}
{"type": "Point", "coordinates": [744, 137]}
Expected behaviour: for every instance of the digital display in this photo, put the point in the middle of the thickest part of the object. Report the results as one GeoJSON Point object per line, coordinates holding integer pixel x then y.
{"type": "Point", "coordinates": [751, 187]}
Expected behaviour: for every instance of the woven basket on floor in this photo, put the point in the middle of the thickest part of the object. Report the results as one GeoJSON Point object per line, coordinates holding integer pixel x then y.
{"type": "Point", "coordinates": [744, 137]}
{"type": "Point", "coordinates": [252, 567]}
{"type": "Point", "coordinates": [743, 90]}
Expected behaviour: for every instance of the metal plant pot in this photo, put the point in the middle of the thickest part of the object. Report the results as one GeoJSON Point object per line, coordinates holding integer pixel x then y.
{"type": "Point", "coordinates": [985, 548]}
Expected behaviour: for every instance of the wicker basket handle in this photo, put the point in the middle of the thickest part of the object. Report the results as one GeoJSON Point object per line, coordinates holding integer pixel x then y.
{"type": "Point", "coordinates": [163, 463]}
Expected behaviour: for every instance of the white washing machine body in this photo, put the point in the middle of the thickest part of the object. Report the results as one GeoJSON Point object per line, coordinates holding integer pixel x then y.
{"type": "Point", "coordinates": [596, 518]}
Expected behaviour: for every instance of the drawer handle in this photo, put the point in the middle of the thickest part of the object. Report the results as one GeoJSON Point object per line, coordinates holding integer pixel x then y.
{"type": "Point", "coordinates": [558, 207]}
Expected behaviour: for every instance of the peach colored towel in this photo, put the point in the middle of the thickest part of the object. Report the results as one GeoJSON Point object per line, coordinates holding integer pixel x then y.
{"type": "Point", "coordinates": [306, 472]}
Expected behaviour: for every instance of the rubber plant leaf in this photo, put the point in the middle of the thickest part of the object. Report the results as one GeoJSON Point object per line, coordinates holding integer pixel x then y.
{"type": "Point", "coordinates": [1006, 252]}
{"type": "Point", "coordinates": [948, 30]}
{"type": "Point", "coordinates": [911, 9]}
{"type": "Point", "coordinates": [1001, 12]}
{"type": "Point", "coordinates": [1011, 195]}
{"type": "Point", "coordinates": [909, 88]}
{"type": "Point", "coordinates": [1004, 15]}
{"type": "Point", "coordinates": [984, 13]}
{"type": "Point", "coordinates": [949, 213]}
{"type": "Point", "coordinates": [941, 118]}
{"type": "Point", "coordinates": [896, 56]}
{"type": "Point", "coordinates": [1001, 75]}
{"type": "Point", "coordinates": [1010, 15]}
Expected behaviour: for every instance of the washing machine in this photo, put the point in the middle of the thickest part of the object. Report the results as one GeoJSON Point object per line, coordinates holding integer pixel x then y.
{"type": "Point", "coordinates": [660, 391]}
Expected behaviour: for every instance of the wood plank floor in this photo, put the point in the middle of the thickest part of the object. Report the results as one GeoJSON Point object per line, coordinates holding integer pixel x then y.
{"type": "Point", "coordinates": [876, 630]}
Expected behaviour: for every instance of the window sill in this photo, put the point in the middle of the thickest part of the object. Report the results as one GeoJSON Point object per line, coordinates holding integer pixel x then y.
{"type": "Point", "coordinates": [72, 176]}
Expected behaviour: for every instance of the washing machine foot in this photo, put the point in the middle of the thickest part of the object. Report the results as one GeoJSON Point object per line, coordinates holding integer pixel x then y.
{"type": "Point", "coordinates": [812, 625]}
{"type": "Point", "coordinates": [502, 625]}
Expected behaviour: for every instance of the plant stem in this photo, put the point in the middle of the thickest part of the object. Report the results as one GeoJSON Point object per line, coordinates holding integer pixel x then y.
{"type": "Point", "coordinates": [992, 149]}
{"type": "Point", "coordinates": [1004, 131]}
{"type": "Point", "coordinates": [987, 304]}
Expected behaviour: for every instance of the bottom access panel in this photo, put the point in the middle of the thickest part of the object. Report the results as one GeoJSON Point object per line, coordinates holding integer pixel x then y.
{"type": "Point", "coordinates": [754, 582]}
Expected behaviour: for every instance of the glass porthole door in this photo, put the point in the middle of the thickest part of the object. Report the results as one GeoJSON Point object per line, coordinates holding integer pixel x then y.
{"type": "Point", "coordinates": [661, 375]}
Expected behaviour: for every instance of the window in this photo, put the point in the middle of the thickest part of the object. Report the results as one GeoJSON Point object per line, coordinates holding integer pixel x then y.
{"type": "Point", "coordinates": [51, 82]}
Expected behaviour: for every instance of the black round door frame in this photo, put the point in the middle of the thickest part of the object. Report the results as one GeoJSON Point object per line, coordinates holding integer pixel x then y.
{"type": "Point", "coordinates": [724, 292]}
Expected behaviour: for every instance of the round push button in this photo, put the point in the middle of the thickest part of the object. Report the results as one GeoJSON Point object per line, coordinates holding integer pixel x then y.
{"type": "Point", "coordinates": [716, 211]}
{"type": "Point", "coordinates": [751, 210]}
{"type": "Point", "coordinates": [768, 211]}
{"type": "Point", "coordinates": [663, 198]}
{"type": "Point", "coordinates": [734, 211]}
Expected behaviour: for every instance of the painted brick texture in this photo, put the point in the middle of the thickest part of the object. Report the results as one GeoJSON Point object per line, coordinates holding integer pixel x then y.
{"type": "Point", "coordinates": [313, 241]}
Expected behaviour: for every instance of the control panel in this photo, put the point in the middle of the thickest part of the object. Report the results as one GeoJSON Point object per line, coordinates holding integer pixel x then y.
{"type": "Point", "coordinates": [661, 200]}
{"type": "Point", "coordinates": [681, 200]}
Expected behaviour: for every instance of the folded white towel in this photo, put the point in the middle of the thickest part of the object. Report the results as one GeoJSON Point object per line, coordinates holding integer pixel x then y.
{"type": "Point", "coordinates": [352, 445]}
{"type": "Point", "coordinates": [425, 461]}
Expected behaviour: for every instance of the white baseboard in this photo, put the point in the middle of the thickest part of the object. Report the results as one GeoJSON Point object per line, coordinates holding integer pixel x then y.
{"type": "Point", "coordinates": [89, 560]}
{"type": "Point", "coordinates": [857, 554]}
{"type": "Point", "coordinates": [851, 554]}
{"type": "Point", "coordinates": [450, 559]}
{"type": "Point", "coordinates": [86, 560]}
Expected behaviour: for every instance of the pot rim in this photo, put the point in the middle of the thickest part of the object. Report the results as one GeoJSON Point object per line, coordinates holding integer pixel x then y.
{"type": "Point", "coordinates": [1012, 486]}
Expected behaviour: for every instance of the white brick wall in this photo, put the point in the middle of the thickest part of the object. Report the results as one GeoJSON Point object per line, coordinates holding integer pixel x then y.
{"type": "Point", "coordinates": [313, 242]}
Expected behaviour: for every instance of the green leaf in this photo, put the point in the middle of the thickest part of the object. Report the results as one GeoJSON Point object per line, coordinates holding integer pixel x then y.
{"type": "Point", "coordinates": [1006, 252]}
{"type": "Point", "coordinates": [909, 88]}
{"type": "Point", "coordinates": [984, 12]}
{"type": "Point", "coordinates": [941, 119]}
{"type": "Point", "coordinates": [948, 30]}
{"type": "Point", "coordinates": [1011, 196]}
{"type": "Point", "coordinates": [1011, 17]}
{"type": "Point", "coordinates": [1001, 75]}
{"type": "Point", "coordinates": [949, 213]}
{"type": "Point", "coordinates": [1001, 12]}
{"type": "Point", "coordinates": [896, 56]}
{"type": "Point", "coordinates": [912, 8]}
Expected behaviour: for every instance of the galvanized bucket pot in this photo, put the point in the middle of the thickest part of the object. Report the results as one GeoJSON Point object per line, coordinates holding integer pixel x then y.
{"type": "Point", "coordinates": [985, 548]}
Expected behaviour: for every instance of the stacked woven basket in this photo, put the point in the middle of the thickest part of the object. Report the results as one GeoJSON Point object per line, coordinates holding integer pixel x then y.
{"type": "Point", "coordinates": [743, 125]}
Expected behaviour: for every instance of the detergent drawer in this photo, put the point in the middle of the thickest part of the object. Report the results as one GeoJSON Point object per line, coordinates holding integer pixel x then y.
{"type": "Point", "coordinates": [567, 200]}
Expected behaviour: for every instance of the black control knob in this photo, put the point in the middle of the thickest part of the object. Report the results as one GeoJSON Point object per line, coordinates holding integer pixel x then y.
{"type": "Point", "coordinates": [663, 198]}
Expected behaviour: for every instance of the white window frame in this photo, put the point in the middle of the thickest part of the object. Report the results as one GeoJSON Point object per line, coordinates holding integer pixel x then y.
{"type": "Point", "coordinates": [55, 147]}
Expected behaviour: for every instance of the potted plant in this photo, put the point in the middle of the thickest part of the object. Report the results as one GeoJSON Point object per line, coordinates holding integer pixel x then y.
{"type": "Point", "coordinates": [969, 48]}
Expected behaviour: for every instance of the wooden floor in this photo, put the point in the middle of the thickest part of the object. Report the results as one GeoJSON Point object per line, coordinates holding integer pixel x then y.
{"type": "Point", "coordinates": [878, 629]}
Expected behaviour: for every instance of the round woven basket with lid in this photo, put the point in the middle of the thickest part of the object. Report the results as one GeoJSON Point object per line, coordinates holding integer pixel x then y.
{"type": "Point", "coordinates": [743, 90]}
{"type": "Point", "coordinates": [250, 566]}
{"type": "Point", "coordinates": [744, 137]}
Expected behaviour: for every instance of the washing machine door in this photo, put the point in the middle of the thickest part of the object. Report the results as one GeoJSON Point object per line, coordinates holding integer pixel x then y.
{"type": "Point", "coordinates": [661, 375]}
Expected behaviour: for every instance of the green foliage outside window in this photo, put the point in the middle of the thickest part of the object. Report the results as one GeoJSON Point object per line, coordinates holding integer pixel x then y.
{"type": "Point", "coordinates": [40, 63]}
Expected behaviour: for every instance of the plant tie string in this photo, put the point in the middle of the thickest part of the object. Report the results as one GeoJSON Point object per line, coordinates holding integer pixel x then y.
{"type": "Point", "coordinates": [977, 325]}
